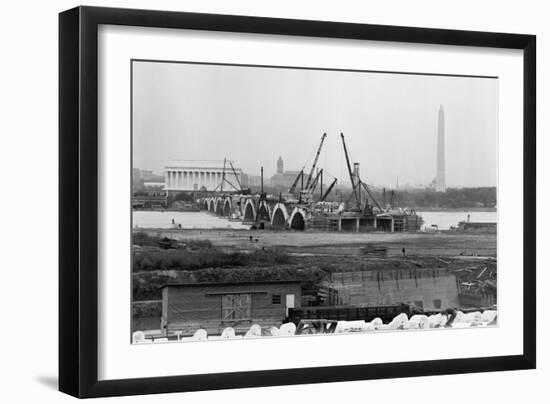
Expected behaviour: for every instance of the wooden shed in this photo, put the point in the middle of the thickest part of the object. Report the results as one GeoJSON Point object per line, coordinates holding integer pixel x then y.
{"type": "Point", "coordinates": [215, 306]}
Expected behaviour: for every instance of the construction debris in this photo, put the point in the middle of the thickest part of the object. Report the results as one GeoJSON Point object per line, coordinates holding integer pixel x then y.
{"type": "Point", "coordinates": [374, 251]}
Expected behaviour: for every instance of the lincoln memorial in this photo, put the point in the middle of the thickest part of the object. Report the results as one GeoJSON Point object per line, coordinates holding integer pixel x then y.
{"type": "Point", "coordinates": [194, 175]}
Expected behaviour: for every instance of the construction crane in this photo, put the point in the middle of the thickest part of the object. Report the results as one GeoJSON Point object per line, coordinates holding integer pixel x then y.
{"type": "Point", "coordinates": [351, 176]}
{"type": "Point", "coordinates": [235, 174]}
{"type": "Point", "coordinates": [324, 196]}
{"type": "Point", "coordinates": [315, 160]}
{"type": "Point", "coordinates": [366, 187]}
{"type": "Point", "coordinates": [225, 180]}
{"type": "Point", "coordinates": [223, 175]}
{"type": "Point", "coordinates": [313, 185]}
{"type": "Point", "coordinates": [300, 175]}
{"type": "Point", "coordinates": [356, 182]}
{"type": "Point", "coordinates": [241, 189]}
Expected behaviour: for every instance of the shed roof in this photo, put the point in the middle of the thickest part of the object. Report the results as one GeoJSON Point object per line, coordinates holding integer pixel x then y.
{"type": "Point", "coordinates": [264, 282]}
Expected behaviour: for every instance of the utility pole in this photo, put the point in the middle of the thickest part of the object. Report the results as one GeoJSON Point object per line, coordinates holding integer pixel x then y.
{"type": "Point", "coordinates": [262, 180]}
{"type": "Point", "coordinates": [321, 189]}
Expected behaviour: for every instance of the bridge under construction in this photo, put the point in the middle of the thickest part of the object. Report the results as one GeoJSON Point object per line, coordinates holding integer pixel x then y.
{"type": "Point", "coordinates": [302, 208]}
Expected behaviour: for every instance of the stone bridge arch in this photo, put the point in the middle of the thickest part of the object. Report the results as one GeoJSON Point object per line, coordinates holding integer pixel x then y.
{"type": "Point", "coordinates": [211, 205]}
{"type": "Point", "coordinates": [297, 219]}
{"type": "Point", "coordinates": [227, 207]}
{"type": "Point", "coordinates": [249, 210]}
{"type": "Point", "coordinates": [279, 219]}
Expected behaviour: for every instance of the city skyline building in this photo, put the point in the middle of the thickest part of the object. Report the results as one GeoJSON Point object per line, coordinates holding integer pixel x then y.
{"type": "Point", "coordinates": [195, 175]}
{"type": "Point", "coordinates": [280, 165]}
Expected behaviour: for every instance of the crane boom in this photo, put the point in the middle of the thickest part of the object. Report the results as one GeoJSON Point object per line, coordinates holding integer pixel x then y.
{"type": "Point", "coordinates": [372, 197]}
{"type": "Point", "coordinates": [315, 161]}
{"type": "Point", "coordinates": [233, 185]}
{"type": "Point", "coordinates": [313, 185]}
{"type": "Point", "coordinates": [223, 175]}
{"type": "Point", "coordinates": [235, 174]}
{"type": "Point", "coordinates": [293, 187]}
{"type": "Point", "coordinates": [353, 185]}
{"type": "Point", "coordinates": [328, 190]}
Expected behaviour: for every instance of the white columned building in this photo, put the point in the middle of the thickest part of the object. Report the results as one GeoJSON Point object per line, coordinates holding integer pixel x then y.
{"type": "Point", "coordinates": [193, 175]}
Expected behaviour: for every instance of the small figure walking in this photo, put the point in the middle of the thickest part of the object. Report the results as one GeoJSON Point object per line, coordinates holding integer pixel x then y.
{"type": "Point", "coordinates": [403, 251]}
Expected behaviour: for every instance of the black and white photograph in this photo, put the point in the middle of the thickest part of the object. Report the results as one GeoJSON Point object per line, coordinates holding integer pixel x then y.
{"type": "Point", "coordinates": [273, 201]}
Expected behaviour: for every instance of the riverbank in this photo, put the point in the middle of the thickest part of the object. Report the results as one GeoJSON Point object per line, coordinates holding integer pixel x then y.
{"type": "Point", "coordinates": [432, 209]}
{"type": "Point", "coordinates": [241, 256]}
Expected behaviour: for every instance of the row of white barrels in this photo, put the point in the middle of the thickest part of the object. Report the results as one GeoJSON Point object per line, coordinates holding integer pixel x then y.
{"type": "Point", "coordinates": [421, 321]}
{"type": "Point", "coordinates": [399, 322]}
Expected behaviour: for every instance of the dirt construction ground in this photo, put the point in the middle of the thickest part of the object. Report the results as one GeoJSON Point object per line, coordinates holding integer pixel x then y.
{"type": "Point", "coordinates": [441, 244]}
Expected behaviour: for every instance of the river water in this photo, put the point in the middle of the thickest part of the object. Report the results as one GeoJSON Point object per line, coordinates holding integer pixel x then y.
{"type": "Point", "coordinates": [444, 220]}
{"type": "Point", "coordinates": [203, 220]}
{"type": "Point", "coordinates": [188, 220]}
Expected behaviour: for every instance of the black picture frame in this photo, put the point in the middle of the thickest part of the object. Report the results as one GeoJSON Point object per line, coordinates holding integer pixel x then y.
{"type": "Point", "coordinates": [78, 196]}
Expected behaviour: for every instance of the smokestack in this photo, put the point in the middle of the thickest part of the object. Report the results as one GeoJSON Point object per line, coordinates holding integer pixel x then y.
{"type": "Point", "coordinates": [356, 180]}
{"type": "Point", "coordinates": [356, 176]}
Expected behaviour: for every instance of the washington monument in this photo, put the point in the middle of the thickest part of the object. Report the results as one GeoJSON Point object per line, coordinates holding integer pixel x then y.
{"type": "Point", "coordinates": [440, 176]}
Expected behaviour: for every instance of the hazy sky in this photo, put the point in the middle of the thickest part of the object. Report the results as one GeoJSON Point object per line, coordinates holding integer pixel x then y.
{"type": "Point", "coordinates": [252, 115]}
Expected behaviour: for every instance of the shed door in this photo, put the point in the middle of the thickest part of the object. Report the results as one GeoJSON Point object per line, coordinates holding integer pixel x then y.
{"type": "Point", "coordinates": [236, 307]}
{"type": "Point", "coordinates": [289, 302]}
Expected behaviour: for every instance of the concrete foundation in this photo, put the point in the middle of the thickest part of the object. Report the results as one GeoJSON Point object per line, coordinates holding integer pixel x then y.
{"type": "Point", "coordinates": [431, 289]}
